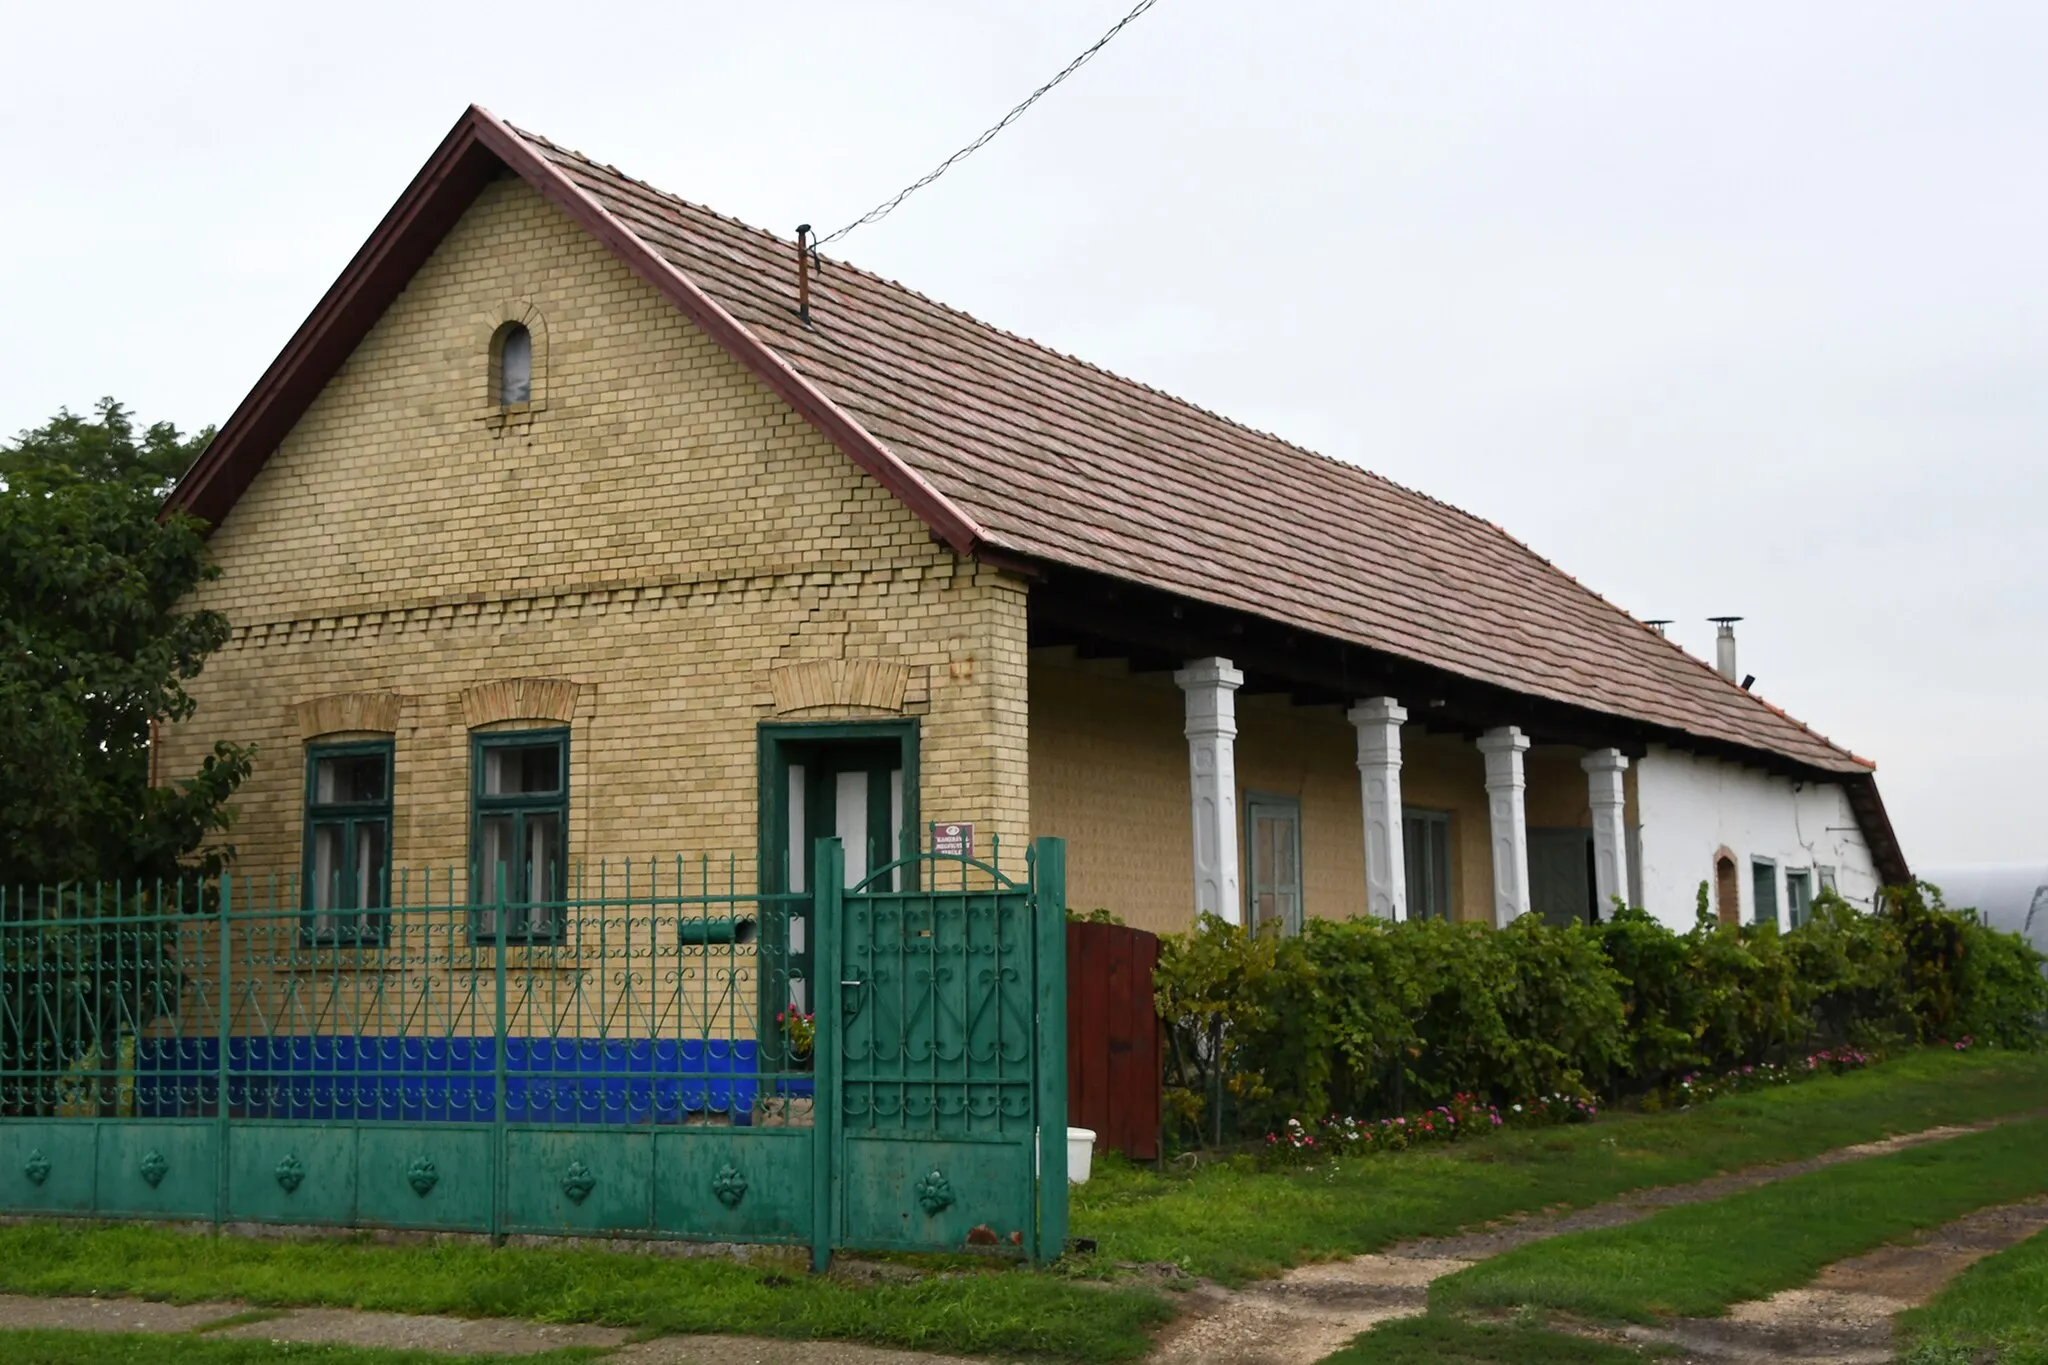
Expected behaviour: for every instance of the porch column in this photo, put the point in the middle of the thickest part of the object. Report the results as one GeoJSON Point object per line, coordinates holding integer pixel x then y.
{"type": "Point", "coordinates": [1604, 768]}
{"type": "Point", "coordinates": [1378, 722]}
{"type": "Point", "coordinates": [1506, 812]}
{"type": "Point", "coordinates": [1211, 685]}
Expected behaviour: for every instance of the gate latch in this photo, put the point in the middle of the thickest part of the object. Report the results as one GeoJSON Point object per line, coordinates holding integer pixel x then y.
{"type": "Point", "coordinates": [849, 1010]}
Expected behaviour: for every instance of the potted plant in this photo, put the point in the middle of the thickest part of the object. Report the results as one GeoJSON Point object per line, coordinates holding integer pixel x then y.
{"type": "Point", "coordinates": [799, 1041]}
{"type": "Point", "coordinates": [799, 1037]}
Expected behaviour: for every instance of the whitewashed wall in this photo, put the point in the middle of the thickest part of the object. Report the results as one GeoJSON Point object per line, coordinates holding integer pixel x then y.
{"type": "Point", "coordinates": [1690, 807]}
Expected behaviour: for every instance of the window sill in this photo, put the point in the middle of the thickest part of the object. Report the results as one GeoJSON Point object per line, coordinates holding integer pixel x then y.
{"type": "Point", "coordinates": [516, 415]}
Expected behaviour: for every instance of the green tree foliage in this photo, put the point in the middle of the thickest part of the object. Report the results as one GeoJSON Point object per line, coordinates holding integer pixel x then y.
{"type": "Point", "coordinates": [95, 652]}
{"type": "Point", "coordinates": [1364, 1017]}
{"type": "Point", "coordinates": [94, 648]}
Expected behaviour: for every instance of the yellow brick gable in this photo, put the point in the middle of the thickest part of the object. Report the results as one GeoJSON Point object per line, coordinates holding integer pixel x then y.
{"type": "Point", "coordinates": [657, 529]}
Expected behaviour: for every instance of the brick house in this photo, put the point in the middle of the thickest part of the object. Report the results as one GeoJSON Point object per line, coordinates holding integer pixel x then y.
{"type": "Point", "coordinates": [559, 532]}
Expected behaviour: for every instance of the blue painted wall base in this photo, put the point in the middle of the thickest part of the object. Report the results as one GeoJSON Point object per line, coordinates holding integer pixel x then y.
{"type": "Point", "coordinates": [454, 1080]}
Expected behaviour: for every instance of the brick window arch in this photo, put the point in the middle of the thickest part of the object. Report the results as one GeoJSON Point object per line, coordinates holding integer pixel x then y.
{"type": "Point", "coordinates": [515, 362]}
{"type": "Point", "coordinates": [515, 365]}
{"type": "Point", "coordinates": [1727, 889]}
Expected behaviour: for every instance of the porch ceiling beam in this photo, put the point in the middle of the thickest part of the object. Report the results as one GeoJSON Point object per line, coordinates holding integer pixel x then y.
{"type": "Point", "coordinates": [1122, 619]}
{"type": "Point", "coordinates": [1113, 617]}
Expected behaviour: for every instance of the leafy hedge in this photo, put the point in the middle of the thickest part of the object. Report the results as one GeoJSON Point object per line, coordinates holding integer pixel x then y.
{"type": "Point", "coordinates": [1365, 1017]}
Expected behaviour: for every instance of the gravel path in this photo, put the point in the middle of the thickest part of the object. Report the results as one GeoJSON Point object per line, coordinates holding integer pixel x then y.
{"type": "Point", "coordinates": [445, 1335]}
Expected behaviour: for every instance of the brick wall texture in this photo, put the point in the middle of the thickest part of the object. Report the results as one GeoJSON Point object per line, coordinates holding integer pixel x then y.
{"type": "Point", "coordinates": [656, 528]}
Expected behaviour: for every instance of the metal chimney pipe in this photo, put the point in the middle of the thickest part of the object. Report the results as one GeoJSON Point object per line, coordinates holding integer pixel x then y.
{"type": "Point", "coordinates": [803, 273]}
{"type": "Point", "coordinates": [1724, 646]}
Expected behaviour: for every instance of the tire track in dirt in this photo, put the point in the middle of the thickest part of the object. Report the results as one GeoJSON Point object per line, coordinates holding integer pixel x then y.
{"type": "Point", "coordinates": [1844, 1317]}
{"type": "Point", "coordinates": [1314, 1310]}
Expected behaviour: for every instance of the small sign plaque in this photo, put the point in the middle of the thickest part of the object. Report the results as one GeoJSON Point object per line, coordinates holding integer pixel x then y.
{"type": "Point", "coordinates": [953, 840]}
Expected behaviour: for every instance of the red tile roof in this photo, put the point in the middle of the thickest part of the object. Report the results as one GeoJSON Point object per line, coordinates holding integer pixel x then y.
{"type": "Point", "coordinates": [1006, 447]}
{"type": "Point", "coordinates": [1054, 459]}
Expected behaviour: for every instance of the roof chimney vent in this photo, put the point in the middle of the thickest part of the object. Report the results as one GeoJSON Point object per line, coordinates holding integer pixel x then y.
{"type": "Point", "coordinates": [1658, 625]}
{"type": "Point", "coordinates": [805, 254]}
{"type": "Point", "coordinates": [1724, 646]}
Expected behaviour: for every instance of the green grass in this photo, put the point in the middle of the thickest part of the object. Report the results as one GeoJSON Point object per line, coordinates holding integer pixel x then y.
{"type": "Point", "coordinates": [1697, 1259]}
{"type": "Point", "coordinates": [1448, 1341]}
{"type": "Point", "coordinates": [1235, 1222]}
{"type": "Point", "coordinates": [990, 1310]}
{"type": "Point", "coordinates": [1997, 1310]}
{"type": "Point", "coordinates": [125, 1348]}
{"type": "Point", "coordinates": [1229, 1220]}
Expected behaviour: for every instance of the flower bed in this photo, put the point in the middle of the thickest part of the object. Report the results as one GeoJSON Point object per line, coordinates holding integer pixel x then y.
{"type": "Point", "coordinates": [1342, 1135]}
{"type": "Point", "coordinates": [1697, 1089]}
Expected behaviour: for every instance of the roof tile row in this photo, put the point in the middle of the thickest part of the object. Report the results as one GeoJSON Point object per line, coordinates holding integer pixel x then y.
{"type": "Point", "coordinates": [1061, 461]}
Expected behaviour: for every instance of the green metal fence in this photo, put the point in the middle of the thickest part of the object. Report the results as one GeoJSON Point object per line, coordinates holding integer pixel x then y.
{"type": "Point", "coordinates": [631, 1060]}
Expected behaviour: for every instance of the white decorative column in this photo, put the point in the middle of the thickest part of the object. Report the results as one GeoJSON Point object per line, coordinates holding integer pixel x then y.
{"type": "Point", "coordinates": [1506, 812]}
{"type": "Point", "coordinates": [1604, 794]}
{"type": "Point", "coordinates": [1378, 722]}
{"type": "Point", "coordinates": [1211, 686]}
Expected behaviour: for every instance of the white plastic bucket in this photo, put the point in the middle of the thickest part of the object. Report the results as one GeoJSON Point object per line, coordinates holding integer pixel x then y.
{"type": "Point", "coordinates": [1080, 1154]}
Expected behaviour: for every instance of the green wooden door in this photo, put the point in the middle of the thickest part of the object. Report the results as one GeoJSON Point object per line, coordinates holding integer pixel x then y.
{"type": "Point", "coordinates": [837, 787]}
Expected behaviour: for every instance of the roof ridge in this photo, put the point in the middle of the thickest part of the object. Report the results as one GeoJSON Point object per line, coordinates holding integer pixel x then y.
{"type": "Point", "coordinates": [1092, 385]}
{"type": "Point", "coordinates": [998, 441]}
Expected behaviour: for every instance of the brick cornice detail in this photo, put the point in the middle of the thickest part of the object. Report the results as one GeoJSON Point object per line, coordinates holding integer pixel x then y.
{"type": "Point", "coordinates": [520, 699]}
{"type": "Point", "coordinates": [871, 684]}
{"type": "Point", "coordinates": [598, 598]}
{"type": "Point", "coordinates": [345, 712]}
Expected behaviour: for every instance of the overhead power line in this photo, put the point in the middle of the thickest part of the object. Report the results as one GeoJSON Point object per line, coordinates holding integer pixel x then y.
{"type": "Point", "coordinates": [888, 206]}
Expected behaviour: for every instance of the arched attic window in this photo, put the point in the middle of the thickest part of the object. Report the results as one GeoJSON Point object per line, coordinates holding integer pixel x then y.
{"type": "Point", "coordinates": [515, 366]}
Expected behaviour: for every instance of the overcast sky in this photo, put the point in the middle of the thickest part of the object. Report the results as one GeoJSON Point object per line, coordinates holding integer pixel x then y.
{"type": "Point", "coordinates": [1727, 309]}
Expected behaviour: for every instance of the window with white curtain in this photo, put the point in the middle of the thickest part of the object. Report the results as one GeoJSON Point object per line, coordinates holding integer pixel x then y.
{"type": "Point", "coordinates": [519, 831]}
{"type": "Point", "coordinates": [347, 841]}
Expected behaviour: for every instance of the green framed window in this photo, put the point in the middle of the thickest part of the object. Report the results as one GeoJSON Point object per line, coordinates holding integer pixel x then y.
{"type": "Point", "coordinates": [1763, 878]}
{"type": "Point", "coordinates": [1426, 848]}
{"type": "Point", "coordinates": [347, 867]}
{"type": "Point", "coordinates": [1273, 872]}
{"type": "Point", "coordinates": [519, 832]}
{"type": "Point", "coordinates": [1798, 896]}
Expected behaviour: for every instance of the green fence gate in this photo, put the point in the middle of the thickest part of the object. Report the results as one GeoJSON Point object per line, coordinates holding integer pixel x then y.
{"type": "Point", "coordinates": [950, 1123]}
{"type": "Point", "coordinates": [612, 1064]}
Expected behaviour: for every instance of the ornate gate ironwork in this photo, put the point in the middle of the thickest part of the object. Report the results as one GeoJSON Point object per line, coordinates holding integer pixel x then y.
{"type": "Point", "coordinates": [950, 1070]}
{"type": "Point", "coordinates": [603, 1065]}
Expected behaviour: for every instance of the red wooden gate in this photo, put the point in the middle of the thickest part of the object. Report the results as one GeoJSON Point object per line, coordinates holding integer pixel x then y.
{"type": "Point", "coordinates": [1113, 1077]}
